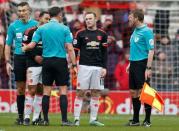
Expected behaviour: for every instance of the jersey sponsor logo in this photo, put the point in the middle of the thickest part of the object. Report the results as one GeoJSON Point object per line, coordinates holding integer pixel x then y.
{"type": "Point", "coordinates": [93, 45]}
{"type": "Point", "coordinates": [19, 35]}
{"type": "Point", "coordinates": [99, 37]}
{"type": "Point", "coordinates": [75, 41]}
{"type": "Point", "coordinates": [136, 39]}
{"type": "Point", "coordinates": [151, 42]}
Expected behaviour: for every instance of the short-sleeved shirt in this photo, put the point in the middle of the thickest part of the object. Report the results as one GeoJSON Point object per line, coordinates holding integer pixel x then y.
{"type": "Point", "coordinates": [54, 36]}
{"type": "Point", "coordinates": [141, 41]}
{"type": "Point", "coordinates": [92, 45]}
{"type": "Point", "coordinates": [15, 34]}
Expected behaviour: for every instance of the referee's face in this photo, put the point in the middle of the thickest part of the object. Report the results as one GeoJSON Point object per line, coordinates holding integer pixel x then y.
{"type": "Point", "coordinates": [23, 12]}
{"type": "Point", "coordinates": [132, 20]}
{"type": "Point", "coordinates": [90, 21]}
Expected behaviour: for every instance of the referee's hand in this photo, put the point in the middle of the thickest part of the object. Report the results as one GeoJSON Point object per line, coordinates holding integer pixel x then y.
{"type": "Point", "coordinates": [8, 68]}
{"type": "Point", "coordinates": [148, 74]}
{"type": "Point", "coordinates": [75, 70]}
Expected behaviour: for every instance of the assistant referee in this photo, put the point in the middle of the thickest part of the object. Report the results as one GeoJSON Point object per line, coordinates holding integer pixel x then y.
{"type": "Point", "coordinates": [141, 57]}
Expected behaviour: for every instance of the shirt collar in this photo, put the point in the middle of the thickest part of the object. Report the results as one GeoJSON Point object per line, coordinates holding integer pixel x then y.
{"type": "Point", "coordinates": [53, 20]}
{"type": "Point", "coordinates": [142, 26]}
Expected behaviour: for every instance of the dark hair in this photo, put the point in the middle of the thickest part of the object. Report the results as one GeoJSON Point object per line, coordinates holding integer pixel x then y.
{"type": "Point", "coordinates": [54, 11]}
{"type": "Point", "coordinates": [23, 4]}
{"type": "Point", "coordinates": [91, 13]}
{"type": "Point", "coordinates": [43, 12]}
{"type": "Point", "coordinates": [138, 13]}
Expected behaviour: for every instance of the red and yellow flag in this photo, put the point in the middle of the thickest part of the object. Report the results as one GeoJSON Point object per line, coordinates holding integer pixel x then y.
{"type": "Point", "coordinates": [151, 97]}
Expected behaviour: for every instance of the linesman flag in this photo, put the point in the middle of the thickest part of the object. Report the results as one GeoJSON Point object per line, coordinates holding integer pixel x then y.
{"type": "Point", "coordinates": [151, 97]}
{"type": "Point", "coordinates": [55, 93]}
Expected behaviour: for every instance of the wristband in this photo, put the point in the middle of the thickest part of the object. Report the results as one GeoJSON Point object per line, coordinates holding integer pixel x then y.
{"type": "Point", "coordinates": [149, 68]}
{"type": "Point", "coordinates": [74, 65]}
{"type": "Point", "coordinates": [8, 61]}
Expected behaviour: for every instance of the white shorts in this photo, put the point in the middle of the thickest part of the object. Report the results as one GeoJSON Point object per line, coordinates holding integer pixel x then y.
{"type": "Point", "coordinates": [34, 75]}
{"type": "Point", "coordinates": [89, 77]}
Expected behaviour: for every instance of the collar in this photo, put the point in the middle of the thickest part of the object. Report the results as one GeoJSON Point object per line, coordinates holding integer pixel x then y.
{"type": "Point", "coordinates": [142, 26]}
{"type": "Point", "coordinates": [54, 20]}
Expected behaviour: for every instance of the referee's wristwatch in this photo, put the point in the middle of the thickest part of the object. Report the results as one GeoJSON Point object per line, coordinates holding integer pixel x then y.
{"type": "Point", "coordinates": [74, 65]}
{"type": "Point", "coordinates": [8, 61]}
{"type": "Point", "coordinates": [149, 68]}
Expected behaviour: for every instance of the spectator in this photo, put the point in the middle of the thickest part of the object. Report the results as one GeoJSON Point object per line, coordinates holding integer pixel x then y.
{"type": "Point", "coordinates": [113, 55]}
{"type": "Point", "coordinates": [36, 15]}
{"type": "Point", "coordinates": [120, 73]}
{"type": "Point", "coordinates": [162, 72]}
{"type": "Point", "coordinates": [3, 75]}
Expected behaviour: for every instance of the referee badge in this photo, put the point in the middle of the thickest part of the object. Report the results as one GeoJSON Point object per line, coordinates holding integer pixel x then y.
{"type": "Point", "coordinates": [151, 42]}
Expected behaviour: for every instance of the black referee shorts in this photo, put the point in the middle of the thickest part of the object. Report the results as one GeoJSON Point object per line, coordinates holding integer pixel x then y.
{"type": "Point", "coordinates": [137, 74]}
{"type": "Point", "coordinates": [55, 69]}
{"type": "Point", "coordinates": [20, 67]}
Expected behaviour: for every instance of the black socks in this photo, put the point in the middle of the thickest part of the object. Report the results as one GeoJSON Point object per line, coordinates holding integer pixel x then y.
{"type": "Point", "coordinates": [20, 105]}
{"type": "Point", "coordinates": [45, 106]}
{"type": "Point", "coordinates": [136, 108]}
{"type": "Point", "coordinates": [63, 107]}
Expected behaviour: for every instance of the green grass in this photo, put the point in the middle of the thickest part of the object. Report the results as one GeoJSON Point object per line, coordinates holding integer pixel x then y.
{"type": "Point", "coordinates": [112, 123]}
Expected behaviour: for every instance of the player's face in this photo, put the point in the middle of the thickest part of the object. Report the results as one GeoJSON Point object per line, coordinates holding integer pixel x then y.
{"type": "Point", "coordinates": [132, 20]}
{"type": "Point", "coordinates": [90, 20]}
{"type": "Point", "coordinates": [45, 19]}
{"type": "Point", "coordinates": [23, 12]}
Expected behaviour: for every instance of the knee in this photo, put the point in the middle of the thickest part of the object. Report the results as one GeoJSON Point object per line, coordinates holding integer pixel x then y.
{"type": "Point", "coordinates": [63, 90]}
{"type": "Point", "coordinates": [39, 89]}
{"type": "Point", "coordinates": [95, 93]}
{"type": "Point", "coordinates": [80, 93]}
{"type": "Point", "coordinates": [47, 91]}
{"type": "Point", "coordinates": [21, 91]}
{"type": "Point", "coordinates": [135, 93]}
{"type": "Point", "coordinates": [32, 90]}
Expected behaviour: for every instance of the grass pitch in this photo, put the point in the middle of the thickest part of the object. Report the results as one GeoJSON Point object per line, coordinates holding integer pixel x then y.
{"type": "Point", "coordinates": [112, 123]}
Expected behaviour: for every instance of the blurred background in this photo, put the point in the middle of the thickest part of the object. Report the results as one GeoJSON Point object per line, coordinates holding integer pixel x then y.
{"type": "Point", "coordinates": [162, 16]}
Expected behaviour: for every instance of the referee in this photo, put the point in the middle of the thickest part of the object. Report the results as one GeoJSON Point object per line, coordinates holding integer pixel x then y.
{"type": "Point", "coordinates": [56, 38]}
{"type": "Point", "coordinates": [141, 57]}
{"type": "Point", "coordinates": [14, 35]}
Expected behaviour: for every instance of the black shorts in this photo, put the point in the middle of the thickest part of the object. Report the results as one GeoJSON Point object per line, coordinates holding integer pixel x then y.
{"type": "Point", "coordinates": [55, 69]}
{"type": "Point", "coordinates": [137, 74]}
{"type": "Point", "coordinates": [20, 67]}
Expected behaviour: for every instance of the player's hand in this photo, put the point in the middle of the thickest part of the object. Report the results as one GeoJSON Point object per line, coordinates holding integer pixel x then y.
{"type": "Point", "coordinates": [38, 59]}
{"type": "Point", "coordinates": [8, 68]}
{"type": "Point", "coordinates": [24, 47]}
{"type": "Point", "coordinates": [103, 72]}
{"type": "Point", "coordinates": [75, 70]}
{"type": "Point", "coordinates": [127, 68]}
{"type": "Point", "coordinates": [148, 74]}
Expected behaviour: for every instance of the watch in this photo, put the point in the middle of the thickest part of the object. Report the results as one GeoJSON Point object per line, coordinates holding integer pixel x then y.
{"type": "Point", "coordinates": [149, 68]}
{"type": "Point", "coordinates": [8, 61]}
{"type": "Point", "coordinates": [74, 65]}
